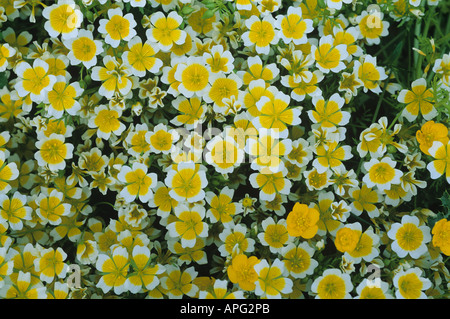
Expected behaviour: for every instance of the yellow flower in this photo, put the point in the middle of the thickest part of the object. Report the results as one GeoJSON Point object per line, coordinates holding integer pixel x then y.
{"type": "Point", "coordinates": [441, 236]}
{"type": "Point", "coordinates": [347, 238]}
{"type": "Point", "coordinates": [165, 30]}
{"type": "Point", "coordinates": [429, 133]}
{"type": "Point", "coordinates": [302, 221]}
{"type": "Point", "coordinates": [117, 27]}
{"type": "Point", "coordinates": [242, 272]}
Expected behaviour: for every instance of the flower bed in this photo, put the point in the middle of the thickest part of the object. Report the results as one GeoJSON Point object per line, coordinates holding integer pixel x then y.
{"type": "Point", "coordinates": [212, 149]}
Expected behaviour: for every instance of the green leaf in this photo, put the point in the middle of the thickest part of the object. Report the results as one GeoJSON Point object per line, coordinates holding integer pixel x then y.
{"type": "Point", "coordinates": [3, 80]}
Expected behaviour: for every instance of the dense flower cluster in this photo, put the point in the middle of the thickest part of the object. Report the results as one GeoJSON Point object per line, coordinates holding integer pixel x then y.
{"type": "Point", "coordinates": [224, 149]}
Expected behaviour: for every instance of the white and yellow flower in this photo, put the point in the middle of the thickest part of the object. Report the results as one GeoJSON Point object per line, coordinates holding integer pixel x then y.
{"type": "Point", "coordinates": [64, 18]}
{"type": "Point", "coordinates": [328, 56]}
{"type": "Point", "coordinates": [114, 269]}
{"type": "Point", "coordinates": [165, 31]}
{"type": "Point", "coordinates": [63, 97]}
{"type": "Point", "coordinates": [224, 154]}
{"type": "Point", "coordinates": [138, 183]}
{"type": "Point", "coordinates": [332, 284]}
{"type": "Point", "coordinates": [418, 100]}
{"type": "Point", "coordinates": [271, 184]}
{"type": "Point", "coordinates": [6, 51]}
{"type": "Point", "coordinates": [117, 27]}
{"type": "Point", "coordinates": [381, 173]}
{"type": "Point", "coordinates": [145, 275]}
{"type": "Point", "coordinates": [261, 33]}
{"type": "Point", "coordinates": [409, 237]}
{"type": "Point", "coordinates": [51, 207]}
{"type": "Point", "coordinates": [410, 284]}
{"type": "Point", "coordinates": [8, 173]}
{"type": "Point", "coordinates": [141, 57]}
{"type": "Point", "coordinates": [51, 264]}
{"type": "Point", "coordinates": [440, 165]}
{"type": "Point", "coordinates": [272, 279]}
{"type": "Point", "coordinates": [14, 210]}
{"type": "Point", "coordinates": [293, 27]}
{"type": "Point", "coordinates": [235, 240]}
{"type": "Point", "coordinates": [219, 60]}
{"type": "Point", "coordinates": [161, 139]}
{"type": "Point", "coordinates": [187, 182]}
{"type": "Point", "coordinates": [53, 151]}
{"type": "Point", "coordinates": [267, 150]}
{"type": "Point", "coordinates": [372, 27]}
{"type": "Point", "coordinates": [115, 77]}
{"type": "Point", "coordinates": [194, 76]}
{"type": "Point", "coordinates": [106, 121]}
{"type": "Point", "coordinates": [298, 259]}
{"type": "Point", "coordinates": [328, 113]}
{"type": "Point", "coordinates": [34, 81]}
{"type": "Point", "coordinates": [83, 49]}
{"type": "Point", "coordinates": [275, 114]}
{"type": "Point", "coordinates": [188, 224]}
